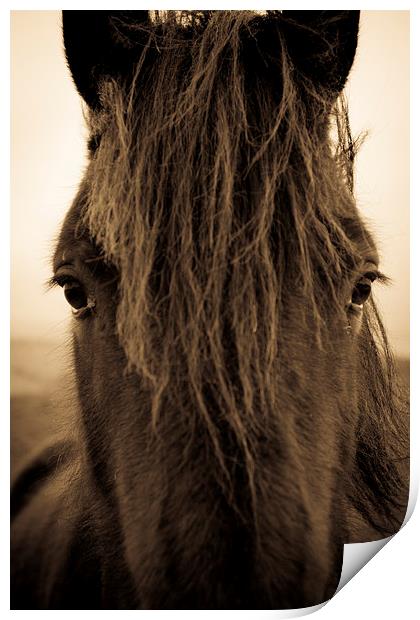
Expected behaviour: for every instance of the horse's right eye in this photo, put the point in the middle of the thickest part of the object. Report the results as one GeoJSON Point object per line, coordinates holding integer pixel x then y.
{"type": "Point", "coordinates": [75, 294]}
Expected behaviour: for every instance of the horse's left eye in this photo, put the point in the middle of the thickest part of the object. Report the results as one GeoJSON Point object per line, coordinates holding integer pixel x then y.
{"type": "Point", "coordinates": [360, 295]}
{"type": "Point", "coordinates": [361, 291]}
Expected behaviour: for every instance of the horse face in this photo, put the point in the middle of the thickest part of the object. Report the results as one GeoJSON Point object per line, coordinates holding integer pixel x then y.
{"type": "Point", "coordinates": [190, 539]}
{"type": "Point", "coordinates": [219, 411]}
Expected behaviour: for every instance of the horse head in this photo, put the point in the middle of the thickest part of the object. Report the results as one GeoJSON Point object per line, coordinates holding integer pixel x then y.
{"type": "Point", "coordinates": [232, 373]}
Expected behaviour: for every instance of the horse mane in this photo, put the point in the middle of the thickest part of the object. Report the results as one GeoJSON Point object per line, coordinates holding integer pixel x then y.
{"type": "Point", "coordinates": [214, 195]}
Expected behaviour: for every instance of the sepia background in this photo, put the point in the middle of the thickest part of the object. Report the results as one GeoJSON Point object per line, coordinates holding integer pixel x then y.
{"type": "Point", "coordinates": [47, 160]}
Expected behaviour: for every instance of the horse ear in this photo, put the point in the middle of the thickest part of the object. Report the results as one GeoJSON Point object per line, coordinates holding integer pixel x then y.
{"type": "Point", "coordinates": [321, 44]}
{"type": "Point", "coordinates": [95, 47]}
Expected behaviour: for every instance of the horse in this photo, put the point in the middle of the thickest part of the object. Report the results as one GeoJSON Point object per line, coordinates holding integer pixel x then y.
{"type": "Point", "coordinates": [239, 415]}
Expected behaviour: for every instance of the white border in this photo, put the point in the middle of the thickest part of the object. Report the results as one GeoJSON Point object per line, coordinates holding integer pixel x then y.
{"type": "Point", "coordinates": [387, 586]}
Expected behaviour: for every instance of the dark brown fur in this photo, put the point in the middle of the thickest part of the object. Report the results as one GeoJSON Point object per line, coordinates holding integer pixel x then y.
{"type": "Point", "coordinates": [235, 432]}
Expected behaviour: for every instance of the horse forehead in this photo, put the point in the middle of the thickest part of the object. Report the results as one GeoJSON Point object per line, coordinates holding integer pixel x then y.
{"type": "Point", "coordinates": [75, 243]}
{"type": "Point", "coordinates": [358, 233]}
{"type": "Point", "coordinates": [74, 240]}
{"type": "Point", "coordinates": [72, 252]}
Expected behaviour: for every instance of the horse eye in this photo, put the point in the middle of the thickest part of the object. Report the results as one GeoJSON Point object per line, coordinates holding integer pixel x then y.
{"type": "Point", "coordinates": [361, 291]}
{"type": "Point", "coordinates": [75, 294]}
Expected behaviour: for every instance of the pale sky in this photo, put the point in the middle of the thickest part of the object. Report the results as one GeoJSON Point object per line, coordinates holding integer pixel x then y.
{"type": "Point", "coordinates": [48, 149]}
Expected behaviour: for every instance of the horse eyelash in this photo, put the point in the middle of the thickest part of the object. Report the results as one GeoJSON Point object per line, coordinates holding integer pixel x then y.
{"type": "Point", "coordinates": [381, 278]}
{"type": "Point", "coordinates": [51, 283]}
{"type": "Point", "coordinates": [56, 281]}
